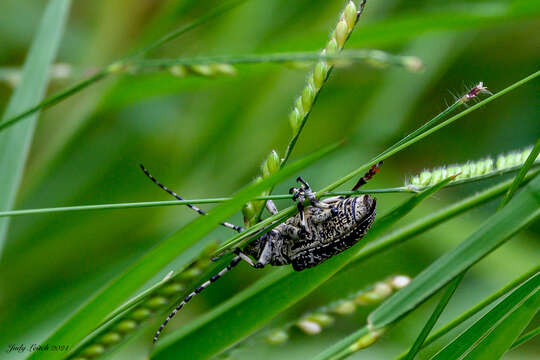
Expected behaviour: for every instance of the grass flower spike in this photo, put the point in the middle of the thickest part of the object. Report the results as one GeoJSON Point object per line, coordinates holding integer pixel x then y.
{"type": "Point", "coordinates": [317, 78]}
{"type": "Point", "coordinates": [474, 169]}
{"type": "Point", "coordinates": [304, 103]}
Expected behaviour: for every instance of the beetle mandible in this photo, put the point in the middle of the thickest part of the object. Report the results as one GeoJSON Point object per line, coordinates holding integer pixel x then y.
{"type": "Point", "coordinates": [318, 232]}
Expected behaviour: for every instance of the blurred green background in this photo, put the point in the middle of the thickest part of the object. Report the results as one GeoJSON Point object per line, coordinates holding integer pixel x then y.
{"type": "Point", "coordinates": [207, 137]}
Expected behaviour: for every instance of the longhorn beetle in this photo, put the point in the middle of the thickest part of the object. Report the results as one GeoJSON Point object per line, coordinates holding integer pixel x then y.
{"type": "Point", "coordinates": [318, 232]}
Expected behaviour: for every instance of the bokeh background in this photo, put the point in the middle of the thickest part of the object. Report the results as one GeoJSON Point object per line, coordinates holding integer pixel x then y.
{"type": "Point", "coordinates": [207, 137]}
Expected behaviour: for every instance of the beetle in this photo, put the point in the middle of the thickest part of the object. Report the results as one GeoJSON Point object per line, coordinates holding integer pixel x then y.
{"type": "Point", "coordinates": [319, 231]}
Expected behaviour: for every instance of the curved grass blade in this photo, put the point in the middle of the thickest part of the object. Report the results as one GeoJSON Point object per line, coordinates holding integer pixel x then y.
{"type": "Point", "coordinates": [531, 159]}
{"type": "Point", "coordinates": [145, 204]}
{"type": "Point", "coordinates": [409, 232]}
{"type": "Point", "coordinates": [256, 305]}
{"type": "Point", "coordinates": [15, 144]}
{"type": "Point", "coordinates": [421, 225]}
{"type": "Point", "coordinates": [112, 295]}
{"type": "Point", "coordinates": [526, 337]}
{"type": "Point", "coordinates": [517, 215]}
{"type": "Point", "coordinates": [393, 150]}
{"type": "Point", "coordinates": [492, 335]}
{"type": "Point", "coordinates": [212, 13]}
{"type": "Point", "coordinates": [476, 308]}
{"type": "Point", "coordinates": [434, 317]}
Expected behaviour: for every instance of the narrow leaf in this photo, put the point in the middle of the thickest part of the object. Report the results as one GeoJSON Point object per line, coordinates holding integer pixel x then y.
{"type": "Point", "coordinates": [434, 317]}
{"type": "Point", "coordinates": [526, 337]}
{"type": "Point", "coordinates": [494, 333]}
{"type": "Point", "coordinates": [15, 143]}
{"type": "Point", "coordinates": [422, 225]}
{"type": "Point", "coordinates": [476, 309]}
{"type": "Point", "coordinates": [521, 174]}
{"type": "Point", "coordinates": [521, 212]}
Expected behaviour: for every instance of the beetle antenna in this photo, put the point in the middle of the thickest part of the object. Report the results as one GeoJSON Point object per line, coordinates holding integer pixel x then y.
{"type": "Point", "coordinates": [203, 286]}
{"type": "Point", "coordinates": [192, 207]}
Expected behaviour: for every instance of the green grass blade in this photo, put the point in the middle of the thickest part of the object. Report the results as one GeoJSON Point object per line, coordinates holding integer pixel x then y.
{"type": "Point", "coordinates": [524, 210]}
{"type": "Point", "coordinates": [144, 204]}
{"type": "Point", "coordinates": [343, 348]}
{"type": "Point", "coordinates": [29, 108]}
{"type": "Point", "coordinates": [410, 231]}
{"type": "Point", "coordinates": [387, 153]}
{"type": "Point", "coordinates": [492, 335]}
{"type": "Point", "coordinates": [450, 290]}
{"type": "Point", "coordinates": [90, 315]}
{"type": "Point", "coordinates": [476, 308]}
{"type": "Point", "coordinates": [526, 337]}
{"type": "Point", "coordinates": [256, 305]}
{"type": "Point", "coordinates": [15, 143]}
{"type": "Point", "coordinates": [54, 99]}
{"type": "Point", "coordinates": [531, 159]}
{"type": "Point", "coordinates": [428, 222]}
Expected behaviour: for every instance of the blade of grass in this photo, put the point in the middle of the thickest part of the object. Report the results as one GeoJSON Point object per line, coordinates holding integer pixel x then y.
{"type": "Point", "coordinates": [386, 154]}
{"type": "Point", "coordinates": [450, 290]}
{"type": "Point", "coordinates": [112, 295]}
{"type": "Point", "coordinates": [524, 210]}
{"type": "Point", "coordinates": [141, 311]}
{"type": "Point", "coordinates": [343, 347]}
{"type": "Point", "coordinates": [472, 93]}
{"type": "Point", "coordinates": [262, 301]}
{"type": "Point", "coordinates": [15, 144]}
{"type": "Point", "coordinates": [521, 174]}
{"type": "Point", "coordinates": [28, 109]}
{"type": "Point", "coordinates": [116, 206]}
{"type": "Point", "coordinates": [407, 233]}
{"type": "Point", "coordinates": [428, 222]}
{"type": "Point", "coordinates": [492, 335]}
{"type": "Point", "coordinates": [476, 308]}
{"type": "Point", "coordinates": [185, 202]}
{"type": "Point", "coordinates": [525, 337]}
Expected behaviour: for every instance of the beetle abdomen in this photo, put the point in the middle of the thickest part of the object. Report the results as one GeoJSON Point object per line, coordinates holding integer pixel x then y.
{"type": "Point", "coordinates": [315, 255]}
